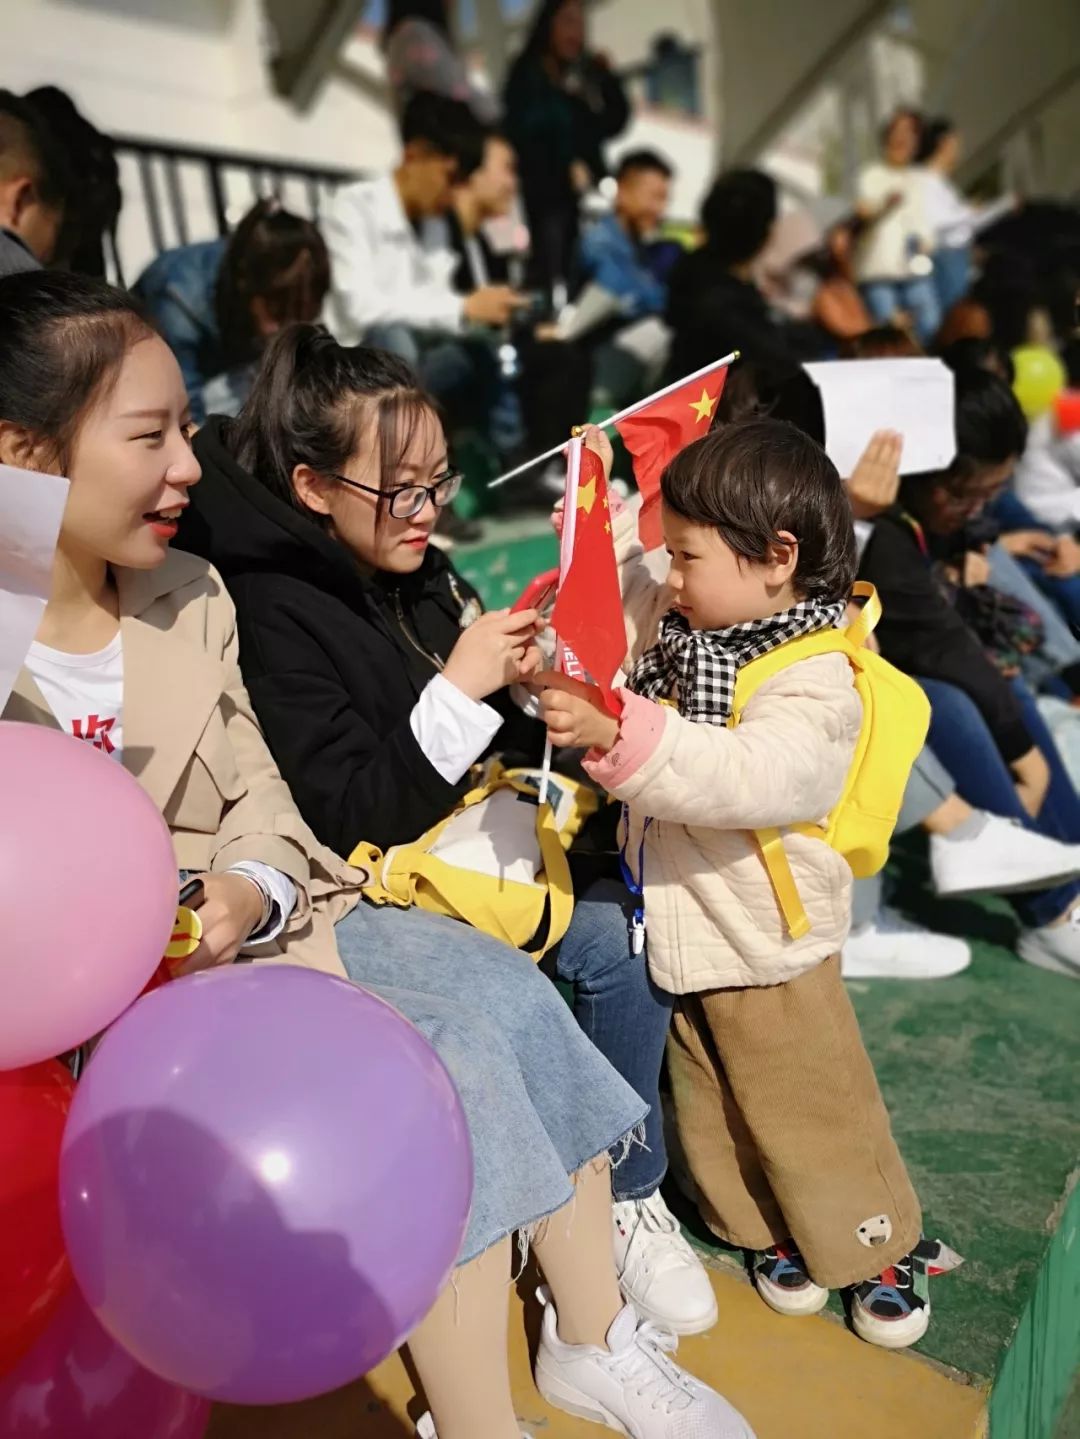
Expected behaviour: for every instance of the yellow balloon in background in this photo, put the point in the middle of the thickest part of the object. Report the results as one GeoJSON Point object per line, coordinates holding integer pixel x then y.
{"type": "Point", "coordinates": [1040, 378]}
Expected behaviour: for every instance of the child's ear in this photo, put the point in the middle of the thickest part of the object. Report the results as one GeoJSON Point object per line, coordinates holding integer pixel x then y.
{"type": "Point", "coordinates": [782, 559]}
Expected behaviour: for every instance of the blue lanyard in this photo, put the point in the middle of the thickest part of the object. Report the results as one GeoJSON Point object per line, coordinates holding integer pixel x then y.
{"type": "Point", "coordinates": [635, 883]}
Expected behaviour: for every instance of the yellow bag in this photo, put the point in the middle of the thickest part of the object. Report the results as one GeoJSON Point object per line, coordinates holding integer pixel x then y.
{"type": "Point", "coordinates": [498, 862]}
{"type": "Point", "coordinates": [896, 716]}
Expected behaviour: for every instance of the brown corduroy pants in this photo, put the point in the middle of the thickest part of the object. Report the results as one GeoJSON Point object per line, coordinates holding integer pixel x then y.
{"type": "Point", "coordinates": [784, 1129]}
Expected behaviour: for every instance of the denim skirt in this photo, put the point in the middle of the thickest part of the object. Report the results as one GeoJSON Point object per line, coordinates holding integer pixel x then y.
{"type": "Point", "coordinates": [539, 1098]}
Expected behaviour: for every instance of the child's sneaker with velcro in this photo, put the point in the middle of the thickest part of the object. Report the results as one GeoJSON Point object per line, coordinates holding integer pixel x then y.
{"type": "Point", "coordinates": [892, 1309]}
{"type": "Point", "coordinates": [783, 1282]}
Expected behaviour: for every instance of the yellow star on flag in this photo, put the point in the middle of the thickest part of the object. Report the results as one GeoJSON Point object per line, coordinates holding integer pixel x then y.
{"type": "Point", "coordinates": [705, 406]}
{"type": "Point", "coordinates": [586, 495]}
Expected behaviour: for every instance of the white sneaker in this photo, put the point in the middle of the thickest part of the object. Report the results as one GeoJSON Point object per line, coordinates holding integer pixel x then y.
{"type": "Point", "coordinates": [659, 1273]}
{"type": "Point", "coordinates": [1003, 858]}
{"type": "Point", "coordinates": [1055, 947]}
{"type": "Point", "coordinates": [891, 948]}
{"type": "Point", "coordinates": [631, 1386]}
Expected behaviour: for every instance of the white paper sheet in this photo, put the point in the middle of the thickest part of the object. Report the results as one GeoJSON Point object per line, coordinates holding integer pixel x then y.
{"type": "Point", "coordinates": [914, 397]}
{"type": "Point", "coordinates": [31, 507]}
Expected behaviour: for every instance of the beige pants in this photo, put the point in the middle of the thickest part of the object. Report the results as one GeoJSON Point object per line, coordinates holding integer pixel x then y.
{"type": "Point", "coordinates": [784, 1129]}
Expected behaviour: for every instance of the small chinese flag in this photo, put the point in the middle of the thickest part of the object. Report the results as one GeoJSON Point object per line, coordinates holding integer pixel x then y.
{"type": "Point", "coordinates": [588, 613]}
{"type": "Point", "coordinates": [656, 432]}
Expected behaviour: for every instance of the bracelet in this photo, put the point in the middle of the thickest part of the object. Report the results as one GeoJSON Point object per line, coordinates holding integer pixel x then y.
{"type": "Point", "coordinates": [267, 899]}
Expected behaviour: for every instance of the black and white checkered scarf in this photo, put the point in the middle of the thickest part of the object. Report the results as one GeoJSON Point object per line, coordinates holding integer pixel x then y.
{"type": "Point", "coordinates": [698, 668]}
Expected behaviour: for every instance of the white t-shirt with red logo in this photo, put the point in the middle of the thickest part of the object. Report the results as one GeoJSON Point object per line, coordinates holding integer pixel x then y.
{"type": "Point", "coordinates": [84, 692]}
{"type": "Point", "coordinates": [86, 696]}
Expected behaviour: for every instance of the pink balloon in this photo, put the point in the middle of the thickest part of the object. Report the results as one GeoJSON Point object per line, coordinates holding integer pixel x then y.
{"type": "Point", "coordinates": [77, 1383]}
{"type": "Point", "coordinates": [88, 889]}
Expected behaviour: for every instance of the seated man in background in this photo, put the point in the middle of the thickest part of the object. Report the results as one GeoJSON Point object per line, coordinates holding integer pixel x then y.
{"type": "Point", "coordinates": [33, 187]}
{"type": "Point", "coordinates": [218, 302]}
{"type": "Point", "coordinates": [713, 303]}
{"type": "Point", "coordinates": [393, 274]}
{"type": "Point", "coordinates": [543, 384]}
{"type": "Point", "coordinates": [615, 254]}
{"type": "Point", "coordinates": [388, 288]}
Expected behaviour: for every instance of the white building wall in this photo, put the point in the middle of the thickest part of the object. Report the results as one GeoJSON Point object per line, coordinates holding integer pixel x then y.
{"type": "Point", "coordinates": [192, 72]}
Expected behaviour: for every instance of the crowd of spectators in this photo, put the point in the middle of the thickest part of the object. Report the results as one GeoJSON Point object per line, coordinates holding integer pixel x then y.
{"type": "Point", "coordinates": [979, 567]}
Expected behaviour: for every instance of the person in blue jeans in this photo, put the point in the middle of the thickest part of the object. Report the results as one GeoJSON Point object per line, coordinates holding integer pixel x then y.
{"type": "Point", "coordinates": [1045, 556]}
{"type": "Point", "coordinates": [217, 302]}
{"type": "Point", "coordinates": [961, 740]}
{"type": "Point", "coordinates": [379, 682]}
{"type": "Point", "coordinates": [1019, 771]}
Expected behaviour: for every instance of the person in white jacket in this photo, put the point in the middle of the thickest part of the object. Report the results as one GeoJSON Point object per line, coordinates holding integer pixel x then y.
{"type": "Point", "coordinates": [776, 1102]}
{"type": "Point", "coordinates": [954, 220]}
{"type": "Point", "coordinates": [892, 253]}
{"type": "Point", "coordinates": [387, 288]}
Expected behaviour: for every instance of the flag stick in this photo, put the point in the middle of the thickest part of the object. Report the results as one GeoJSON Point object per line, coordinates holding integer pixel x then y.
{"type": "Point", "coordinates": [614, 419]}
{"type": "Point", "coordinates": [566, 552]}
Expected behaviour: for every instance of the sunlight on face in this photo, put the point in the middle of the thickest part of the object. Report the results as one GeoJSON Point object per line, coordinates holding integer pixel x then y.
{"type": "Point", "coordinates": [714, 587]}
{"type": "Point", "coordinates": [132, 465]}
{"type": "Point", "coordinates": [375, 537]}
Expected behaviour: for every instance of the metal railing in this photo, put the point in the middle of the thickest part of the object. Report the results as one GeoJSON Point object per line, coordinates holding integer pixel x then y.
{"type": "Point", "coordinates": [182, 193]}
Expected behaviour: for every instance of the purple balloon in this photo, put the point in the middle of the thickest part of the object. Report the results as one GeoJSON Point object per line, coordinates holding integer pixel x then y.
{"type": "Point", "coordinates": [77, 1383]}
{"type": "Point", "coordinates": [264, 1183]}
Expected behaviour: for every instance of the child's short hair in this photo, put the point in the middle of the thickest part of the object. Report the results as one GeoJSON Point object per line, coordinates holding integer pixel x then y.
{"type": "Point", "coordinates": [750, 480]}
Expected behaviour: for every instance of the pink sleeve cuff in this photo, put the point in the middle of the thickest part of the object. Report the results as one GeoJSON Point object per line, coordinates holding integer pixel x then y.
{"type": "Point", "coordinates": [640, 729]}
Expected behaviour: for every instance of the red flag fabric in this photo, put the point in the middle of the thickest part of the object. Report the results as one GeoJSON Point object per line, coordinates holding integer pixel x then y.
{"type": "Point", "coordinates": [588, 612]}
{"type": "Point", "coordinates": [656, 433]}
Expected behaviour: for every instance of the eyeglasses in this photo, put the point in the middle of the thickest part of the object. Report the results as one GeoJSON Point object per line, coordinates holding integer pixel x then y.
{"type": "Point", "coordinates": [408, 500]}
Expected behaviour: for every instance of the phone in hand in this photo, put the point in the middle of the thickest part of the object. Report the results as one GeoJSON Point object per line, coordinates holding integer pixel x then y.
{"type": "Point", "coordinates": [537, 592]}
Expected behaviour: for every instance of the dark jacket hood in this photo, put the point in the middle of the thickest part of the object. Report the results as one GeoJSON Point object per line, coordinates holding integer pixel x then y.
{"type": "Point", "coordinates": [242, 528]}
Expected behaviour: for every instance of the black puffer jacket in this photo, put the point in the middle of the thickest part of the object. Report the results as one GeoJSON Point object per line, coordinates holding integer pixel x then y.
{"type": "Point", "coordinates": [335, 659]}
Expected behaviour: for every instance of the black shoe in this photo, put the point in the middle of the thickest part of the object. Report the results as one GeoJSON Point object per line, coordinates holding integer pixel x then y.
{"type": "Point", "coordinates": [893, 1308]}
{"type": "Point", "coordinates": [782, 1280]}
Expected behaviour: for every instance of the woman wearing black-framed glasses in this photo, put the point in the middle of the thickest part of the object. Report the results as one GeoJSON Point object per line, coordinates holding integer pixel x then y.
{"type": "Point", "coordinates": [405, 501]}
{"type": "Point", "coordinates": [379, 682]}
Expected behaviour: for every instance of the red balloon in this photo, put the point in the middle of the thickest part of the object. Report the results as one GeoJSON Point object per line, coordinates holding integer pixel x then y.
{"type": "Point", "coordinates": [34, 1270]}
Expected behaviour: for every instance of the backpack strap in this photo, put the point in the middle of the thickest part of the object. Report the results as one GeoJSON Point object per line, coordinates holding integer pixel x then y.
{"type": "Point", "coordinates": [751, 677]}
{"type": "Point", "coordinates": [770, 845]}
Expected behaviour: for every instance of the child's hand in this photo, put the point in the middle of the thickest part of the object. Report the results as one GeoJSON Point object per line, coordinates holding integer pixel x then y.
{"type": "Point", "coordinates": [596, 440]}
{"type": "Point", "coordinates": [575, 715]}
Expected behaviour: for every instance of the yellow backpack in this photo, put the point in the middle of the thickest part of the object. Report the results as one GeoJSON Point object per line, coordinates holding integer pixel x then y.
{"type": "Point", "coordinates": [896, 715]}
{"type": "Point", "coordinates": [497, 862]}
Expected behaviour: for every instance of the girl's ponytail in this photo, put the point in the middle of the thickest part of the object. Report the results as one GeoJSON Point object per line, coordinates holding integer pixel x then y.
{"type": "Point", "coordinates": [308, 404]}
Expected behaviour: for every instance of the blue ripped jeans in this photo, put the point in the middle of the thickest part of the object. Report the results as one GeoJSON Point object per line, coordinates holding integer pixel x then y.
{"type": "Point", "coordinates": [624, 1014]}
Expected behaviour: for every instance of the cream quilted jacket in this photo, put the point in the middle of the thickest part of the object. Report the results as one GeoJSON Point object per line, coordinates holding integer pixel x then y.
{"type": "Point", "coordinates": [711, 915]}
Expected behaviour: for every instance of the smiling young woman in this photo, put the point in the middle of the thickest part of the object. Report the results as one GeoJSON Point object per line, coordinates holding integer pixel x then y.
{"type": "Point", "coordinates": [87, 390]}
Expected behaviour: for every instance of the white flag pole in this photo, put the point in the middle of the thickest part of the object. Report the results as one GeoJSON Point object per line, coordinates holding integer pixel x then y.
{"type": "Point", "coordinates": [566, 554]}
{"type": "Point", "coordinates": [620, 415]}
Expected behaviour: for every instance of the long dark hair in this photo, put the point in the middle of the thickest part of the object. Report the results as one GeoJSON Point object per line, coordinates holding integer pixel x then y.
{"type": "Point", "coordinates": [539, 36]}
{"type": "Point", "coordinates": [309, 401]}
{"type": "Point", "coordinates": [63, 338]}
{"type": "Point", "coordinates": [279, 257]}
